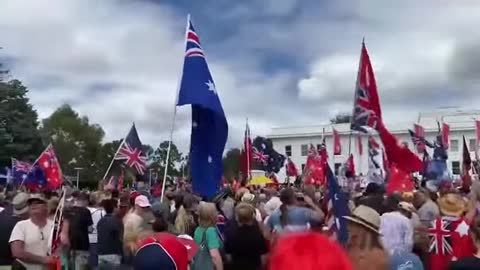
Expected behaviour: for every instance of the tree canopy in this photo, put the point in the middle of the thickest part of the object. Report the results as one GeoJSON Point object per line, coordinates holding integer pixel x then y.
{"type": "Point", "coordinates": [341, 118]}
{"type": "Point", "coordinates": [19, 135]}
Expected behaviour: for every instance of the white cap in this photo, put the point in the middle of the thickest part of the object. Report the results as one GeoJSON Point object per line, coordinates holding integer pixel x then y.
{"type": "Point", "coordinates": [142, 201]}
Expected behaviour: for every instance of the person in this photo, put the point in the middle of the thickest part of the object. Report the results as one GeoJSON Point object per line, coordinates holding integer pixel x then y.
{"type": "Point", "coordinates": [471, 262]}
{"type": "Point", "coordinates": [449, 233]}
{"type": "Point", "coordinates": [136, 223]}
{"type": "Point", "coordinates": [273, 202]}
{"type": "Point", "coordinates": [250, 199]}
{"type": "Point", "coordinates": [207, 239]}
{"type": "Point", "coordinates": [427, 210]}
{"type": "Point", "coordinates": [30, 238]}
{"type": "Point", "coordinates": [8, 220]}
{"type": "Point", "coordinates": [97, 212]}
{"type": "Point", "coordinates": [186, 220]}
{"type": "Point", "coordinates": [364, 246]}
{"type": "Point", "coordinates": [164, 251]}
{"type": "Point", "coordinates": [397, 230]}
{"type": "Point", "coordinates": [292, 218]}
{"type": "Point", "coordinates": [246, 245]}
{"type": "Point", "coordinates": [109, 236]}
{"type": "Point", "coordinates": [308, 251]}
{"type": "Point", "coordinates": [77, 225]}
{"type": "Point", "coordinates": [373, 197]}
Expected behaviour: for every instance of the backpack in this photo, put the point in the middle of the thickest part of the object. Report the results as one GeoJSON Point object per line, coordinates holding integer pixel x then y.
{"type": "Point", "coordinates": [203, 260]}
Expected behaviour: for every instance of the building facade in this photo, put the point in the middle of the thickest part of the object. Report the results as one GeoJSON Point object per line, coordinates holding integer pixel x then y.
{"type": "Point", "coordinates": [295, 141]}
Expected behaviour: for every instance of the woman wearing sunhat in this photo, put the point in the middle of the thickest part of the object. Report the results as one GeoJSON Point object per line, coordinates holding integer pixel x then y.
{"type": "Point", "coordinates": [364, 246]}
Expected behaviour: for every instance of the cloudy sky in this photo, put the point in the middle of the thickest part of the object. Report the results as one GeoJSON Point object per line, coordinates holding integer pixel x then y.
{"type": "Point", "coordinates": [277, 62]}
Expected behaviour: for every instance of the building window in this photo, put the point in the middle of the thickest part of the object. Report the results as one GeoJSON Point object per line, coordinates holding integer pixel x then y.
{"type": "Point", "coordinates": [303, 167]}
{"type": "Point", "coordinates": [456, 167]}
{"type": "Point", "coordinates": [288, 150]}
{"type": "Point", "coordinates": [454, 145]}
{"type": "Point", "coordinates": [472, 145]}
{"type": "Point", "coordinates": [304, 148]}
{"type": "Point", "coordinates": [337, 168]}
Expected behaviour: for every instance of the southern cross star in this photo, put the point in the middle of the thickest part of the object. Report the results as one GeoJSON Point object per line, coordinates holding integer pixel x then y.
{"type": "Point", "coordinates": [211, 86]}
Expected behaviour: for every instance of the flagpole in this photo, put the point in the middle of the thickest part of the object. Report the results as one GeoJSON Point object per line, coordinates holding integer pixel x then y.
{"type": "Point", "coordinates": [172, 127]}
{"type": "Point", "coordinates": [116, 152]}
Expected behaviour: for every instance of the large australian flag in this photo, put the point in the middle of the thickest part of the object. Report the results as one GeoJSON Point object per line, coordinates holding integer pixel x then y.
{"type": "Point", "coordinates": [266, 158]}
{"type": "Point", "coordinates": [209, 125]}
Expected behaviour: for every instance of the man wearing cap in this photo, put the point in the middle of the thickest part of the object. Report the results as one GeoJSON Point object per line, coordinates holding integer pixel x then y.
{"type": "Point", "coordinates": [136, 223]}
{"type": "Point", "coordinates": [30, 238]}
{"type": "Point", "coordinates": [8, 220]}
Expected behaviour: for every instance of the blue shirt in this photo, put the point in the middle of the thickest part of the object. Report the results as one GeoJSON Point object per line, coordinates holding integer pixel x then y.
{"type": "Point", "coordinates": [405, 261]}
{"type": "Point", "coordinates": [298, 219]}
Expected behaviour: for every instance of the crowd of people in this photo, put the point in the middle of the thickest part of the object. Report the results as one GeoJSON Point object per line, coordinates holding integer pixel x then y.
{"type": "Point", "coordinates": [253, 228]}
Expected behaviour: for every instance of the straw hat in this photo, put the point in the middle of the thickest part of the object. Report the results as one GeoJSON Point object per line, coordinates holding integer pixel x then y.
{"type": "Point", "coordinates": [366, 217]}
{"type": "Point", "coordinates": [406, 206]}
{"type": "Point", "coordinates": [451, 204]}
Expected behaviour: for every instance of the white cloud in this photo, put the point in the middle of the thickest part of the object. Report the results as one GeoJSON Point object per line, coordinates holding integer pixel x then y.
{"type": "Point", "coordinates": [119, 61]}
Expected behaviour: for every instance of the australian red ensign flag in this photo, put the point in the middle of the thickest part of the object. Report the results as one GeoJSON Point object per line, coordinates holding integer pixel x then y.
{"type": "Point", "coordinates": [366, 108]}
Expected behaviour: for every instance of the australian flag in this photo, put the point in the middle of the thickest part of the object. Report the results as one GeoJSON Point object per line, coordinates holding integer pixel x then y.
{"type": "Point", "coordinates": [337, 209]}
{"type": "Point", "coordinates": [209, 125]}
{"type": "Point", "coordinates": [130, 152]}
{"type": "Point", "coordinates": [31, 176]}
{"type": "Point", "coordinates": [265, 157]}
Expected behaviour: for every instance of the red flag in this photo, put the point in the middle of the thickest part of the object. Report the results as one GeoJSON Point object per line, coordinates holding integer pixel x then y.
{"type": "Point", "coordinates": [477, 124]}
{"type": "Point", "coordinates": [420, 133]}
{"type": "Point", "coordinates": [400, 181]}
{"type": "Point", "coordinates": [366, 108]}
{"type": "Point", "coordinates": [446, 135]}
{"type": "Point", "coordinates": [291, 168]}
{"type": "Point", "coordinates": [246, 157]}
{"type": "Point", "coordinates": [360, 144]}
{"type": "Point", "coordinates": [48, 162]}
{"type": "Point", "coordinates": [401, 156]}
{"type": "Point", "coordinates": [315, 167]}
{"type": "Point", "coordinates": [337, 146]}
{"type": "Point", "coordinates": [350, 167]}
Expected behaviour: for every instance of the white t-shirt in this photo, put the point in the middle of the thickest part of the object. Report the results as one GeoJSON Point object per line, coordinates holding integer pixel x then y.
{"type": "Point", "coordinates": [34, 238]}
{"type": "Point", "coordinates": [97, 214]}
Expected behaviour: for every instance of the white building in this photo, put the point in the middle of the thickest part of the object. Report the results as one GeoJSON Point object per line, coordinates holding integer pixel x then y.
{"type": "Point", "coordinates": [295, 141]}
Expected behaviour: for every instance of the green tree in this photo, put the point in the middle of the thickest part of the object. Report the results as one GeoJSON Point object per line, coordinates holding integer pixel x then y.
{"type": "Point", "coordinates": [175, 159]}
{"type": "Point", "coordinates": [77, 143]}
{"type": "Point", "coordinates": [341, 118]}
{"type": "Point", "coordinates": [19, 136]}
{"type": "Point", "coordinates": [231, 164]}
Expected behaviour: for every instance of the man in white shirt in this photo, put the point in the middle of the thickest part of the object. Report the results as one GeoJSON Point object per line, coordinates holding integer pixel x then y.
{"type": "Point", "coordinates": [30, 238]}
{"type": "Point", "coordinates": [397, 230]}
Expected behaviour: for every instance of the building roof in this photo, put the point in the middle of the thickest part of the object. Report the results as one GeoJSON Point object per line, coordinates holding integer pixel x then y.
{"type": "Point", "coordinates": [458, 119]}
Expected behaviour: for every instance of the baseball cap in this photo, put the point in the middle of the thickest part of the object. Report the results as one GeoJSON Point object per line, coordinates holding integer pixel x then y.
{"type": "Point", "coordinates": [163, 251]}
{"type": "Point", "coordinates": [142, 201]}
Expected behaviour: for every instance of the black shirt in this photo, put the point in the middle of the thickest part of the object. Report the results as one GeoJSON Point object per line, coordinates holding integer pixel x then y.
{"type": "Point", "coordinates": [246, 245]}
{"type": "Point", "coordinates": [7, 222]}
{"type": "Point", "coordinates": [110, 234]}
{"type": "Point", "coordinates": [80, 219]}
{"type": "Point", "coordinates": [469, 263]}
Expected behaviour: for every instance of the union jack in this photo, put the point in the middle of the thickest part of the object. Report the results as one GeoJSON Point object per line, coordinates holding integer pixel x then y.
{"type": "Point", "coordinates": [133, 157]}
{"type": "Point", "coordinates": [193, 43]}
{"type": "Point", "coordinates": [440, 237]}
{"type": "Point", "coordinates": [260, 156]}
{"type": "Point", "coordinates": [21, 166]}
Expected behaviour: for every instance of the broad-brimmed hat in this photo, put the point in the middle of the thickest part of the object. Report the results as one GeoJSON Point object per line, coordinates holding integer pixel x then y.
{"type": "Point", "coordinates": [451, 204]}
{"type": "Point", "coordinates": [366, 217]}
{"type": "Point", "coordinates": [406, 206]}
{"type": "Point", "coordinates": [20, 203]}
